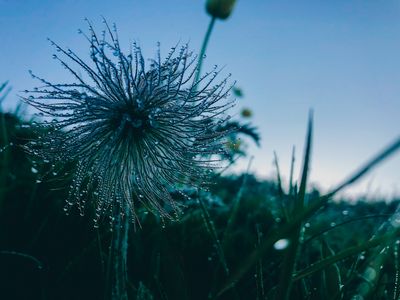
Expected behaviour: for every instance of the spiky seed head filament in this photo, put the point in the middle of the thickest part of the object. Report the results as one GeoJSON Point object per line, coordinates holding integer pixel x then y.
{"type": "Point", "coordinates": [135, 130]}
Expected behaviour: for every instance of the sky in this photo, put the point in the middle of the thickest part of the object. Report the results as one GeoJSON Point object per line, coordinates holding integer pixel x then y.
{"type": "Point", "coordinates": [340, 58]}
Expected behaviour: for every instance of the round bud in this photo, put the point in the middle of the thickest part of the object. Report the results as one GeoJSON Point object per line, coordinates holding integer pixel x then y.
{"type": "Point", "coordinates": [220, 9]}
{"type": "Point", "coordinates": [246, 113]}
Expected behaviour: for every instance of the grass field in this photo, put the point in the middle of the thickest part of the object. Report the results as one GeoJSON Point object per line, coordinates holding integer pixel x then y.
{"type": "Point", "coordinates": [243, 239]}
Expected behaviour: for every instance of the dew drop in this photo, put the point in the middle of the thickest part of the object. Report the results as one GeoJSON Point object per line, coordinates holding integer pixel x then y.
{"type": "Point", "coordinates": [370, 273]}
{"type": "Point", "coordinates": [281, 244]}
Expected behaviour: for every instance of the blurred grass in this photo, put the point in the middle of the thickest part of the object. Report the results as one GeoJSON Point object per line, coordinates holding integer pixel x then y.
{"type": "Point", "coordinates": [225, 239]}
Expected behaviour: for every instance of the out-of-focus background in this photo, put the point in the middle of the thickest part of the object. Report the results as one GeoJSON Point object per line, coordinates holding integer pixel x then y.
{"type": "Point", "coordinates": [340, 58]}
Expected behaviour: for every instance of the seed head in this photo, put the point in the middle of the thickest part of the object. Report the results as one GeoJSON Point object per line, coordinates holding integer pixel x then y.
{"type": "Point", "coordinates": [134, 131]}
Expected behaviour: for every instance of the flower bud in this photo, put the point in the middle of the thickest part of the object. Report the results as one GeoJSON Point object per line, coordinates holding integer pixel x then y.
{"type": "Point", "coordinates": [220, 9]}
{"type": "Point", "coordinates": [246, 113]}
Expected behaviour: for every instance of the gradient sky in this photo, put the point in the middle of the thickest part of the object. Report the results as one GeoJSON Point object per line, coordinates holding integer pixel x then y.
{"type": "Point", "coordinates": [341, 58]}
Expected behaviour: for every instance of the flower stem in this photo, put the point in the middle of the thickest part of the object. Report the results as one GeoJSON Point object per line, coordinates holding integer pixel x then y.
{"type": "Point", "coordinates": [204, 48]}
{"type": "Point", "coordinates": [119, 257]}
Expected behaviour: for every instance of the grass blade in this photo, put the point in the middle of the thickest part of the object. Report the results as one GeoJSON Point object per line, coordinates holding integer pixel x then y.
{"type": "Point", "coordinates": [331, 279]}
{"type": "Point", "coordinates": [291, 187]}
{"type": "Point", "coordinates": [322, 264]}
{"type": "Point", "coordinates": [289, 263]}
{"type": "Point", "coordinates": [314, 206]}
{"type": "Point", "coordinates": [235, 206]}
{"type": "Point", "coordinates": [284, 209]}
{"type": "Point", "coordinates": [368, 166]}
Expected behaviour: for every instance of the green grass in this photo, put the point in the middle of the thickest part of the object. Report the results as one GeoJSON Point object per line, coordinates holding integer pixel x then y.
{"type": "Point", "coordinates": [222, 247]}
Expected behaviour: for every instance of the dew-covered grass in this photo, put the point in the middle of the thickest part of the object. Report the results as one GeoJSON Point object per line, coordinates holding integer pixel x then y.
{"type": "Point", "coordinates": [243, 239]}
{"type": "Point", "coordinates": [100, 202]}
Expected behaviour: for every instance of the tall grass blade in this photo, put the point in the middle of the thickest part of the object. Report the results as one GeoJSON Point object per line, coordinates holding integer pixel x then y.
{"type": "Point", "coordinates": [213, 232]}
{"type": "Point", "coordinates": [372, 274]}
{"type": "Point", "coordinates": [291, 187]}
{"type": "Point", "coordinates": [289, 263]}
{"type": "Point", "coordinates": [331, 278]}
{"type": "Point", "coordinates": [281, 193]}
{"type": "Point", "coordinates": [322, 264]}
{"type": "Point", "coordinates": [4, 90]}
{"type": "Point", "coordinates": [396, 294]}
{"type": "Point", "coordinates": [368, 166]}
{"type": "Point", "coordinates": [311, 208]}
{"type": "Point", "coordinates": [278, 175]}
{"type": "Point", "coordinates": [235, 206]}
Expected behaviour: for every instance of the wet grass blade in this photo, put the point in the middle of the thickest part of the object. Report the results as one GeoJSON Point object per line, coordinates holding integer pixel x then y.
{"type": "Point", "coordinates": [322, 232]}
{"type": "Point", "coordinates": [278, 175]}
{"type": "Point", "coordinates": [4, 91]}
{"type": "Point", "coordinates": [368, 166]}
{"type": "Point", "coordinates": [331, 278]}
{"type": "Point", "coordinates": [306, 166]}
{"type": "Point", "coordinates": [235, 206]}
{"type": "Point", "coordinates": [396, 267]}
{"type": "Point", "coordinates": [267, 244]}
{"type": "Point", "coordinates": [281, 193]}
{"type": "Point", "coordinates": [213, 232]}
{"type": "Point", "coordinates": [291, 187]}
{"type": "Point", "coordinates": [322, 264]}
{"type": "Point", "coordinates": [291, 254]}
{"type": "Point", "coordinates": [314, 206]}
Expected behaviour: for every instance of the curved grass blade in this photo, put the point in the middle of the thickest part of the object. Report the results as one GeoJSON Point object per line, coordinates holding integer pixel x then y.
{"type": "Point", "coordinates": [330, 228]}
{"type": "Point", "coordinates": [281, 194]}
{"type": "Point", "coordinates": [291, 187]}
{"type": "Point", "coordinates": [331, 277]}
{"type": "Point", "coordinates": [322, 264]}
{"type": "Point", "coordinates": [289, 263]}
{"type": "Point", "coordinates": [4, 91]}
{"type": "Point", "coordinates": [372, 275]}
{"type": "Point", "coordinates": [314, 206]}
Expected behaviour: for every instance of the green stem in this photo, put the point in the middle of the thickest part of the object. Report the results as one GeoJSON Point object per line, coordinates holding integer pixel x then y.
{"type": "Point", "coordinates": [119, 255]}
{"type": "Point", "coordinates": [204, 48]}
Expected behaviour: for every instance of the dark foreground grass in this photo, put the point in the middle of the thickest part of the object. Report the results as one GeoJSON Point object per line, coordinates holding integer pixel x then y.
{"type": "Point", "coordinates": [245, 239]}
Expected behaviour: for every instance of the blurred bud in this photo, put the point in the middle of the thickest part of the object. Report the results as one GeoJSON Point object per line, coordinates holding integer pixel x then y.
{"type": "Point", "coordinates": [234, 145]}
{"type": "Point", "coordinates": [237, 92]}
{"type": "Point", "coordinates": [220, 9]}
{"type": "Point", "coordinates": [246, 113]}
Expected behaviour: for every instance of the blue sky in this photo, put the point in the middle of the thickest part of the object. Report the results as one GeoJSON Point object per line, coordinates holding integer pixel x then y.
{"type": "Point", "coordinates": [341, 58]}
